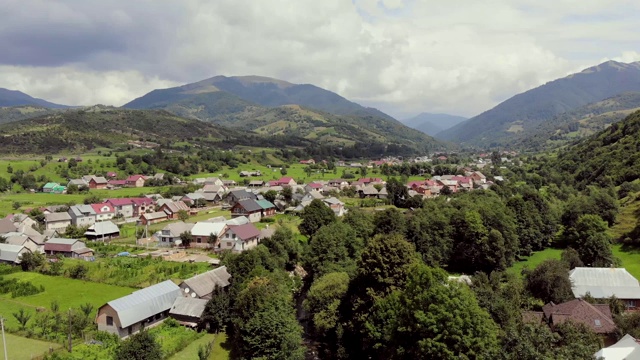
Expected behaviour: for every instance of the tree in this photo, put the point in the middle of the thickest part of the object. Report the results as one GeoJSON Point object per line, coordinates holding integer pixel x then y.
{"type": "Point", "coordinates": [314, 216]}
{"type": "Point", "coordinates": [9, 169]}
{"type": "Point", "coordinates": [16, 205]}
{"type": "Point", "coordinates": [186, 238]}
{"type": "Point", "coordinates": [397, 192]}
{"type": "Point", "coordinates": [502, 295]}
{"type": "Point", "coordinates": [323, 300]}
{"type": "Point", "coordinates": [183, 215]}
{"type": "Point", "coordinates": [333, 248]}
{"type": "Point", "coordinates": [422, 322]}
{"type": "Point", "coordinates": [430, 232]}
{"type": "Point", "coordinates": [571, 258]}
{"type": "Point", "coordinates": [591, 241]}
{"type": "Point", "coordinates": [139, 346]}
{"type": "Point", "coordinates": [31, 261]}
{"type": "Point", "coordinates": [91, 199]}
{"type": "Point", "coordinates": [360, 221]}
{"type": "Point", "coordinates": [216, 313]}
{"type": "Point", "coordinates": [23, 318]}
{"type": "Point", "coordinates": [283, 171]}
{"type": "Point", "coordinates": [549, 281]}
{"type": "Point", "coordinates": [287, 193]}
{"type": "Point", "coordinates": [284, 247]}
{"type": "Point", "coordinates": [389, 221]}
{"type": "Point", "coordinates": [270, 195]}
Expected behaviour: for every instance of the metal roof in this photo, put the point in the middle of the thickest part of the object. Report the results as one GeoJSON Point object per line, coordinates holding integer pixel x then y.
{"type": "Point", "coordinates": [10, 252]}
{"type": "Point", "coordinates": [188, 306]}
{"type": "Point", "coordinates": [57, 216]}
{"type": "Point", "coordinates": [203, 228]}
{"type": "Point", "coordinates": [62, 241]}
{"type": "Point", "coordinates": [265, 204]}
{"type": "Point", "coordinates": [604, 282]}
{"type": "Point", "coordinates": [204, 284]}
{"type": "Point", "coordinates": [144, 303]}
{"type": "Point", "coordinates": [103, 227]}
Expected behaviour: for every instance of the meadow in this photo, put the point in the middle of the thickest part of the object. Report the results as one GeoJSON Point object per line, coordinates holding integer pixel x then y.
{"type": "Point", "coordinates": [218, 352]}
{"type": "Point", "coordinates": [68, 293]}
{"type": "Point", "coordinates": [19, 347]}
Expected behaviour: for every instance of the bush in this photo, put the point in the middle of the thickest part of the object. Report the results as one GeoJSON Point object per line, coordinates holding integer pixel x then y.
{"type": "Point", "coordinates": [268, 220]}
{"type": "Point", "coordinates": [18, 288]}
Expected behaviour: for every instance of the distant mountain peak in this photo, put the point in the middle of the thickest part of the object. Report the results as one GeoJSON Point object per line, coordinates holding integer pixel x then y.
{"type": "Point", "coordinates": [17, 98]}
{"type": "Point", "coordinates": [612, 65]}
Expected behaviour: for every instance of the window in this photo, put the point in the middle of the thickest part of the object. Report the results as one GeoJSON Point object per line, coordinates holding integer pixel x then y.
{"type": "Point", "coordinates": [597, 321]}
{"type": "Point", "coordinates": [109, 321]}
{"type": "Point", "coordinates": [129, 329]}
{"type": "Point", "coordinates": [630, 304]}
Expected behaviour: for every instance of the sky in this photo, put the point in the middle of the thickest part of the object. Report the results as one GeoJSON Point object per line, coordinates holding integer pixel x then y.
{"type": "Point", "coordinates": [401, 56]}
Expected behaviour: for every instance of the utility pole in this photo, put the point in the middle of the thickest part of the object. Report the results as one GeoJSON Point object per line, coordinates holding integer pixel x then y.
{"type": "Point", "coordinates": [4, 340]}
{"type": "Point", "coordinates": [70, 346]}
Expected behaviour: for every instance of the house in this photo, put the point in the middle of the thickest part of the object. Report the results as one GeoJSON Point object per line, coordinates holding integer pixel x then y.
{"type": "Point", "coordinates": [214, 188]}
{"type": "Point", "coordinates": [141, 205]}
{"type": "Point", "coordinates": [371, 181]}
{"type": "Point", "coordinates": [187, 311]}
{"type": "Point", "coordinates": [67, 247]}
{"type": "Point", "coordinates": [596, 317]}
{"type": "Point", "coordinates": [627, 348]}
{"type": "Point", "coordinates": [256, 183]}
{"type": "Point", "coordinates": [193, 199]}
{"type": "Point", "coordinates": [313, 186]}
{"type": "Point", "coordinates": [338, 183]}
{"type": "Point", "coordinates": [7, 226]}
{"type": "Point", "coordinates": [336, 205]}
{"type": "Point", "coordinates": [202, 232]}
{"type": "Point", "coordinates": [268, 208]}
{"type": "Point", "coordinates": [153, 217]}
{"type": "Point", "coordinates": [203, 285]}
{"type": "Point", "coordinates": [116, 183]}
{"type": "Point", "coordinates": [103, 230]}
{"type": "Point", "coordinates": [57, 221]}
{"type": "Point", "coordinates": [98, 182]}
{"type": "Point", "coordinates": [239, 238]}
{"type": "Point", "coordinates": [229, 183]}
{"type": "Point", "coordinates": [129, 314]}
{"type": "Point", "coordinates": [602, 283]}
{"type": "Point", "coordinates": [213, 181]}
{"type": "Point", "coordinates": [135, 181]}
{"type": "Point", "coordinates": [286, 181]}
{"type": "Point", "coordinates": [20, 220]}
{"type": "Point", "coordinates": [122, 207]}
{"type": "Point", "coordinates": [308, 162]}
{"type": "Point", "coordinates": [112, 175]}
{"type": "Point", "coordinates": [103, 211]}
{"type": "Point", "coordinates": [249, 208]}
{"type": "Point", "coordinates": [478, 177]}
{"type": "Point", "coordinates": [80, 183]}
{"type": "Point", "coordinates": [54, 188]}
{"type": "Point", "coordinates": [172, 208]}
{"type": "Point", "coordinates": [82, 215]}
{"type": "Point", "coordinates": [236, 195]}
{"type": "Point", "coordinates": [369, 191]}
{"type": "Point", "coordinates": [12, 254]}
{"type": "Point", "coordinates": [33, 244]}
{"type": "Point", "coordinates": [170, 234]}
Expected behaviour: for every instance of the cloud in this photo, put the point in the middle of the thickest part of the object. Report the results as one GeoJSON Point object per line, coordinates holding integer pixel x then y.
{"type": "Point", "coordinates": [403, 56]}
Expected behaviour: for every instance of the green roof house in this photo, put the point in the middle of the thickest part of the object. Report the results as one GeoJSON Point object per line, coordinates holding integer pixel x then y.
{"type": "Point", "coordinates": [54, 188]}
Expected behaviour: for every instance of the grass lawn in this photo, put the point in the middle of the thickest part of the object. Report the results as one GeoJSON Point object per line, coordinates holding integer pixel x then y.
{"type": "Point", "coordinates": [627, 217]}
{"type": "Point", "coordinates": [191, 351]}
{"type": "Point", "coordinates": [69, 293]}
{"type": "Point", "coordinates": [630, 259]}
{"type": "Point", "coordinates": [534, 260]}
{"type": "Point", "coordinates": [22, 348]}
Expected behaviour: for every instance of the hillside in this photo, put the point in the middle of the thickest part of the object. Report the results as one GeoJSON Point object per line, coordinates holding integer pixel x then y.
{"type": "Point", "coordinates": [612, 155]}
{"type": "Point", "coordinates": [15, 113]}
{"type": "Point", "coordinates": [431, 124]}
{"type": "Point", "coordinates": [524, 112]}
{"type": "Point", "coordinates": [579, 123]}
{"type": "Point", "coordinates": [275, 107]}
{"type": "Point", "coordinates": [78, 130]}
{"type": "Point", "coordinates": [17, 98]}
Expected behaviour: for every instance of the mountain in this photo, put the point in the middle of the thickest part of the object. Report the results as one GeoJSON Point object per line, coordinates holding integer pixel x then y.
{"type": "Point", "coordinates": [17, 98]}
{"type": "Point", "coordinates": [270, 106]}
{"type": "Point", "coordinates": [15, 113]}
{"type": "Point", "coordinates": [524, 112]}
{"type": "Point", "coordinates": [431, 124]}
{"type": "Point", "coordinates": [258, 90]}
{"type": "Point", "coordinates": [100, 126]}
{"type": "Point", "coordinates": [579, 123]}
{"type": "Point", "coordinates": [610, 156]}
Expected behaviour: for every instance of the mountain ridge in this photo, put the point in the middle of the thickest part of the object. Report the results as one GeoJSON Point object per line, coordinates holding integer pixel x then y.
{"type": "Point", "coordinates": [526, 110]}
{"type": "Point", "coordinates": [18, 98]}
{"type": "Point", "coordinates": [432, 123]}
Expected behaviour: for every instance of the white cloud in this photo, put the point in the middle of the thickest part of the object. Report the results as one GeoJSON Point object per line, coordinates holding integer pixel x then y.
{"type": "Point", "coordinates": [403, 56]}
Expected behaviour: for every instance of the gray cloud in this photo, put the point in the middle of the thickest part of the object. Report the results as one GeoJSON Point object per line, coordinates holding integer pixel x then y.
{"type": "Point", "coordinates": [403, 56]}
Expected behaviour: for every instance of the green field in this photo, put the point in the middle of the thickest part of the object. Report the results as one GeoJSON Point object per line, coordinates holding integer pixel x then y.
{"type": "Point", "coordinates": [22, 348]}
{"type": "Point", "coordinates": [191, 351]}
{"type": "Point", "coordinates": [630, 259]}
{"type": "Point", "coordinates": [69, 293]}
{"type": "Point", "coordinates": [534, 260]}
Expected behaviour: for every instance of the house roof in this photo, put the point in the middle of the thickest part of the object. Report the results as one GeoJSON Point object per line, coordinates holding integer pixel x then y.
{"type": "Point", "coordinates": [134, 178]}
{"type": "Point", "coordinates": [175, 206]}
{"type": "Point", "coordinates": [59, 244]}
{"type": "Point", "coordinates": [604, 283]}
{"type": "Point", "coordinates": [119, 201]}
{"type": "Point", "coordinates": [265, 204]}
{"type": "Point", "coordinates": [102, 228]}
{"type": "Point", "coordinates": [213, 188]}
{"type": "Point", "coordinates": [187, 306]}
{"type": "Point", "coordinates": [256, 182]}
{"type": "Point", "coordinates": [154, 215]}
{"type": "Point", "coordinates": [50, 185]}
{"type": "Point", "coordinates": [204, 284]}
{"type": "Point", "coordinates": [99, 180]}
{"type": "Point", "coordinates": [285, 179]}
{"type": "Point", "coordinates": [315, 185]}
{"type": "Point", "coordinates": [77, 182]}
{"type": "Point", "coordinates": [242, 194]}
{"type": "Point", "coordinates": [177, 228]}
{"type": "Point", "coordinates": [240, 220]}
{"type": "Point", "coordinates": [6, 225]}
{"type": "Point", "coordinates": [98, 208]}
{"type": "Point", "coordinates": [117, 182]}
{"type": "Point", "coordinates": [626, 348]}
{"type": "Point", "coordinates": [144, 303]}
{"type": "Point", "coordinates": [597, 317]}
{"type": "Point", "coordinates": [333, 201]}
{"type": "Point", "coordinates": [16, 239]}
{"type": "Point", "coordinates": [82, 210]}
{"type": "Point", "coordinates": [370, 190]}
{"type": "Point", "coordinates": [57, 216]}
{"type": "Point", "coordinates": [245, 231]}
{"type": "Point", "coordinates": [249, 205]}
{"type": "Point", "coordinates": [10, 253]}
{"type": "Point", "coordinates": [194, 196]}
{"type": "Point", "coordinates": [203, 228]}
